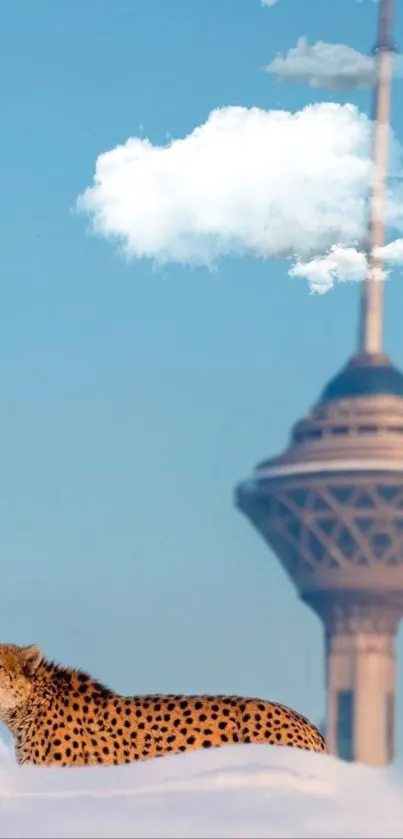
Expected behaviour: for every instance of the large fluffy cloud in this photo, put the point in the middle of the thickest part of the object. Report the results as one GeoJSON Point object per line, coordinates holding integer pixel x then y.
{"type": "Point", "coordinates": [270, 184]}
{"type": "Point", "coordinates": [335, 67]}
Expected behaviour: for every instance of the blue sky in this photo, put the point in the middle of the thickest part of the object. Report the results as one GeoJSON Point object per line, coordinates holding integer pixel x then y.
{"type": "Point", "coordinates": [133, 399]}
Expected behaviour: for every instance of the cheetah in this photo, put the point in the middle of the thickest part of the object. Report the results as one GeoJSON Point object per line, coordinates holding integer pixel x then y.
{"type": "Point", "coordinates": [61, 716]}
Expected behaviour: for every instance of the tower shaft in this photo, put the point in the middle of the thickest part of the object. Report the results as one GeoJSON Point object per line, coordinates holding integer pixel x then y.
{"type": "Point", "coordinates": [361, 688]}
{"type": "Point", "coordinates": [370, 333]}
{"type": "Point", "coordinates": [360, 633]}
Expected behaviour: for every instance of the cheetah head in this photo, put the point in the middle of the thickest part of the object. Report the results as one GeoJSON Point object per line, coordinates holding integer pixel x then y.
{"type": "Point", "coordinates": [17, 667]}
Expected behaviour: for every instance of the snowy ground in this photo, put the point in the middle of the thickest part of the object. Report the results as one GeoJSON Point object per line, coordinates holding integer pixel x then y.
{"type": "Point", "coordinates": [238, 791]}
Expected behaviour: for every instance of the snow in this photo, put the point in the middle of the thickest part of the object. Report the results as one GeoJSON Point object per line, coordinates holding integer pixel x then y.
{"type": "Point", "coordinates": [237, 791]}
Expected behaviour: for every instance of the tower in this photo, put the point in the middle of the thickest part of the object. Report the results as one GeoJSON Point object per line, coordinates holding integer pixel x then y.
{"type": "Point", "coordinates": [331, 505]}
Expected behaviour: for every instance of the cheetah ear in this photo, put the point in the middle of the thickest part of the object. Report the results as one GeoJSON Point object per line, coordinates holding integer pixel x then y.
{"type": "Point", "coordinates": [31, 658]}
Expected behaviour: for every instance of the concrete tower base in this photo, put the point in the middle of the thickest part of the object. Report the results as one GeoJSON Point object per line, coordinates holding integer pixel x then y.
{"type": "Point", "coordinates": [361, 678]}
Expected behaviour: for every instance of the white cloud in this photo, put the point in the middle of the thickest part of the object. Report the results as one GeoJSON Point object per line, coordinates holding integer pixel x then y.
{"type": "Point", "coordinates": [393, 252]}
{"type": "Point", "coordinates": [346, 264]}
{"type": "Point", "coordinates": [248, 790]}
{"type": "Point", "coordinates": [269, 184]}
{"type": "Point", "coordinates": [268, 2]}
{"type": "Point", "coordinates": [338, 264]}
{"type": "Point", "coordinates": [335, 67]}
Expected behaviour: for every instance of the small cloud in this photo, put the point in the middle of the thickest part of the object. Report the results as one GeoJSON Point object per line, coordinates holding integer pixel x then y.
{"type": "Point", "coordinates": [247, 182]}
{"type": "Point", "coordinates": [335, 67]}
{"type": "Point", "coordinates": [268, 2]}
{"type": "Point", "coordinates": [345, 264]}
{"type": "Point", "coordinates": [340, 263]}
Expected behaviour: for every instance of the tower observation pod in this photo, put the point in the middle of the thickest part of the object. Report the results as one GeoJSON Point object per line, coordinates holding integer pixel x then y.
{"type": "Point", "coordinates": [331, 505]}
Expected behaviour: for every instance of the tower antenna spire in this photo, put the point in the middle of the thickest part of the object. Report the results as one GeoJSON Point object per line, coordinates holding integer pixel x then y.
{"type": "Point", "coordinates": [371, 311]}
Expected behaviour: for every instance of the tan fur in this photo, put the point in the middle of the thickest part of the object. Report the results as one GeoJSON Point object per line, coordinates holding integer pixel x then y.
{"type": "Point", "coordinates": [64, 717]}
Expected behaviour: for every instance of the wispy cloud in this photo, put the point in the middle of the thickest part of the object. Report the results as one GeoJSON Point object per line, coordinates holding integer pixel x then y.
{"type": "Point", "coordinates": [335, 67]}
{"type": "Point", "coordinates": [269, 184]}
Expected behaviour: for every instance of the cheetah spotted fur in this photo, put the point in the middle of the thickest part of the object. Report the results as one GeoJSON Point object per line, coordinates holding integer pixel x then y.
{"type": "Point", "coordinates": [64, 717]}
